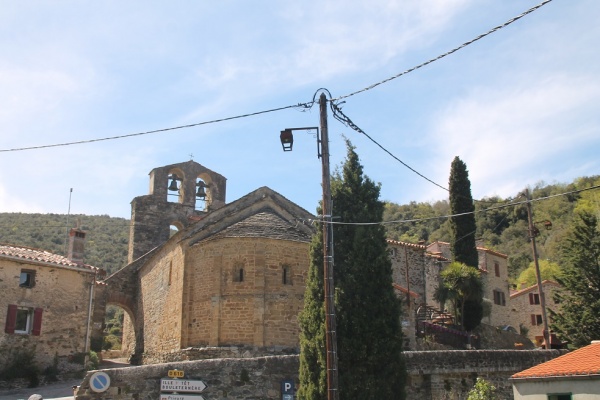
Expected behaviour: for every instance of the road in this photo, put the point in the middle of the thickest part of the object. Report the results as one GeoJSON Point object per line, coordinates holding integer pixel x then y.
{"type": "Point", "coordinates": [55, 391]}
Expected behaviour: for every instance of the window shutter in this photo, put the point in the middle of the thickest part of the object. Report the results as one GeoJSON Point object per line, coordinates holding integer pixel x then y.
{"type": "Point", "coordinates": [11, 319]}
{"type": "Point", "coordinates": [533, 319]}
{"type": "Point", "coordinates": [37, 321]}
{"type": "Point", "coordinates": [531, 298]}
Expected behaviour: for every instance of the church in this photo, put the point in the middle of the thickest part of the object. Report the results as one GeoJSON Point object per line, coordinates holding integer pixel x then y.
{"type": "Point", "coordinates": [232, 276]}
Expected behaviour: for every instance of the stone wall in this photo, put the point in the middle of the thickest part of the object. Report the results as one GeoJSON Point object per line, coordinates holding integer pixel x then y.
{"type": "Point", "coordinates": [260, 309]}
{"type": "Point", "coordinates": [432, 375]}
{"type": "Point", "coordinates": [60, 295]}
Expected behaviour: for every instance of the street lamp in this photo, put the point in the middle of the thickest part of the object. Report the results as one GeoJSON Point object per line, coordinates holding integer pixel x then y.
{"type": "Point", "coordinates": [287, 141]}
{"type": "Point", "coordinates": [533, 232]}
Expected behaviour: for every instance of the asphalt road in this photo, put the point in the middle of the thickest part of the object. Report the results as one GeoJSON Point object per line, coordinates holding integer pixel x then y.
{"type": "Point", "coordinates": [55, 391]}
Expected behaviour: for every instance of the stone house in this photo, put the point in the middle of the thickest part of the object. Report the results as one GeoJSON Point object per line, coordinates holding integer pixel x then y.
{"type": "Point", "coordinates": [233, 275]}
{"type": "Point", "coordinates": [493, 267]}
{"type": "Point", "coordinates": [571, 376]}
{"type": "Point", "coordinates": [46, 302]}
{"type": "Point", "coordinates": [526, 310]}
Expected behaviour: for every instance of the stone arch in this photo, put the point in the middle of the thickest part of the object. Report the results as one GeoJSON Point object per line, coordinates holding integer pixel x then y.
{"type": "Point", "coordinates": [175, 185]}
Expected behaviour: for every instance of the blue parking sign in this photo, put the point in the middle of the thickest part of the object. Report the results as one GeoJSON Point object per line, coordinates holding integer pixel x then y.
{"type": "Point", "coordinates": [287, 389]}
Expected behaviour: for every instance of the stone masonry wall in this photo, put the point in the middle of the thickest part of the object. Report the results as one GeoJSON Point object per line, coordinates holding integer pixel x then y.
{"type": "Point", "coordinates": [63, 295]}
{"type": "Point", "coordinates": [259, 308]}
{"type": "Point", "coordinates": [432, 375]}
{"type": "Point", "coordinates": [161, 286]}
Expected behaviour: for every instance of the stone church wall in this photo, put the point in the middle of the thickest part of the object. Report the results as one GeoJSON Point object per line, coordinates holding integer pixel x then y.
{"type": "Point", "coordinates": [244, 291]}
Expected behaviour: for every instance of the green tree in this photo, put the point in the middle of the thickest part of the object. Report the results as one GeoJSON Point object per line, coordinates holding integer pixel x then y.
{"type": "Point", "coordinates": [462, 286]}
{"type": "Point", "coordinates": [369, 334]}
{"type": "Point", "coordinates": [464, 249]}
{"type": "Point", "coordinates": [548, 270]}
{"type": "Point", "coordinates": [463, 227]}
{"type": "Point", "coordinates": [578, 321]}
{"type": "Point", "coordinates": [483, 390]}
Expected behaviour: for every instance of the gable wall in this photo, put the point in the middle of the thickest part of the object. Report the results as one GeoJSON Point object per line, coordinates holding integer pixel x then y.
{"type": "Point", "coordinates": [522, 309]}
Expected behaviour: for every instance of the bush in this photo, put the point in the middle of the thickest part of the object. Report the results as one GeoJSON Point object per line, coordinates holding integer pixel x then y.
{"type": "Point", "coordinates": [20, 364]}
{"type": "Point", "coordinates": [93, 361]}
{"type": "Point", "coordinates": [483, 390]}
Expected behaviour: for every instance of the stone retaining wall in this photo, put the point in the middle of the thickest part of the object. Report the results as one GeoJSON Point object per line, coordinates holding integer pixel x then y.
{"type": "Point", "coordinates": [431, 375]}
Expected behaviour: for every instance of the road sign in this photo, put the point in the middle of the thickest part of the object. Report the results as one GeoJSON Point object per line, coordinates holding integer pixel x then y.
{"type": "Point", "coordinates": [182, 385]}
{"type": "Point", "coordinates": [99, 382]}
{"type": "Point", "coordinates": [175, 373]}
{"type": "Point", "coordinates": [164, 396]}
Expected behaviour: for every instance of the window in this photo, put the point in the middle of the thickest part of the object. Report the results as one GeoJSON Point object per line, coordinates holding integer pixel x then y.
{"type": "Point", "coordinates": [536, 319]}
{"type": "Point", "coordinates": [497, 268]}
{"type": "Point", "coordinates": [27, 278]}
{"type": "Point", "coordinates": [534, 298]}
{"type": "Point", "coordinates": [23, 320]}
{"type": "Point", "coordinates": [286, 275]}
{"type": "Point", "coordinates": [499, 298]}
{"type": "Point", "coordinates": [238, 273]}
{"type": "Point", "coordinates": [562, 396]}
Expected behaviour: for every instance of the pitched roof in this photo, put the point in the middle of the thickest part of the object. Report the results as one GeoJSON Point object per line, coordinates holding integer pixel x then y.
{"type": "Point", "coordinates": [39, 256]}
{"type": "Point", "coordinates": [261, 213]}
{"type": "Point", "coordinates": [265, 224]}
{"type": "Point", "coordinates": [405, 290]}
{"type": "Point", "coordinates": [531, 288]}
{"type": "Point", "coordinates": [581, 362]}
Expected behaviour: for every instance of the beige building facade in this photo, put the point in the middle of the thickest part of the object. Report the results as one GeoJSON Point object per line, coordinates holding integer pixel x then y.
{"type": "Point", "coordinates": [46, 303]}
{"type": "Point", "coordinates": [526, 309]}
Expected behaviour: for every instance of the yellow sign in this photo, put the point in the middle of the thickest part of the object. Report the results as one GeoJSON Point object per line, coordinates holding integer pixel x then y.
{"type": "Point", "coordinates": [175, 373]}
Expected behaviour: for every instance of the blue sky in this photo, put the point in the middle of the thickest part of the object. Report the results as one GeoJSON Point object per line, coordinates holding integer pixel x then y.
{"type": "Point", "coordinates": [519, 106]}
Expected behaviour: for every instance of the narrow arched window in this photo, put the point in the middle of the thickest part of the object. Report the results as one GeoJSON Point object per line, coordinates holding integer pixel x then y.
{"type": "Point", "coordinates": [286, 275]}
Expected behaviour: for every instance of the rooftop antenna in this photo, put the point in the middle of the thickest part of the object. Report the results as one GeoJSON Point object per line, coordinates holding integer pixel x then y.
{"type": "Point", "coordinates": [67, 225]}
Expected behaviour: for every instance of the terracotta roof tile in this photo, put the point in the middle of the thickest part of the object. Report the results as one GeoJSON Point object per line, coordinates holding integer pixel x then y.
{"type": "Point", "coordinates": [546, 282]}
{"type": "Point", "coordinates": [35, 255]}
{"type": "Point", "coordinates": [404, 290]}
{"type": "Point", "coordinates": [581, 362]}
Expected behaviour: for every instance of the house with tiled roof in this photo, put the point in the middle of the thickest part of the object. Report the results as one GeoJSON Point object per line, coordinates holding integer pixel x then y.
{"type": "Point", "coordinates": [526, 309]}
{"type": "Point", "coordinates": [493, 267]}
{"type": "Point", "coordinates": [572, 376]}
{"type": "Point", "coordinates": [46, 303]}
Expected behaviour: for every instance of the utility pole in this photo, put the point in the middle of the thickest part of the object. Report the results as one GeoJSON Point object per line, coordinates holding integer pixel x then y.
{"type": "Point", "coordinates": [329, 288]}
{"type": "Point", "coordinates": [532, 235]}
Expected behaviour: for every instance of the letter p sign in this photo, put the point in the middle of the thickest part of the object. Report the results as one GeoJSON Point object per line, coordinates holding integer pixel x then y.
{"type": "Point", "coordinates": [287, 388]}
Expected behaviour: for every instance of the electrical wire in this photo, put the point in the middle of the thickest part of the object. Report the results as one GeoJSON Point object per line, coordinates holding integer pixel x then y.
{"type": "Point", "coordinates": [299, 105]}
{"type": "Point", "coordinates": [454, 50]}
{"type": "Point", "coordinates": [459, 214]}
{"type": "Point", "coordinates": [343, 118]}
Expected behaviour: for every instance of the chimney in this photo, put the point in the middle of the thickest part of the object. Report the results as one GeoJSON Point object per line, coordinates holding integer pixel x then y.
{"type": "Point", "coordinates": [76, 245]}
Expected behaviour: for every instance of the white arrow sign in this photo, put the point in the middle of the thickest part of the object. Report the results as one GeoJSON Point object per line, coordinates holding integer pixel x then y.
{"type": "Point", "coordinates": [181, 385]}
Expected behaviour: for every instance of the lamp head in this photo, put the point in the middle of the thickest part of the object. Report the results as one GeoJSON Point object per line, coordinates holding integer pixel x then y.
{"type": "Point", "coordinates": [287, 139]}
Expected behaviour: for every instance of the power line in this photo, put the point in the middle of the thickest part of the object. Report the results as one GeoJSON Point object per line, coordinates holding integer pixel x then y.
{"type": "Point", "coordinates": [303, 105]}
{"type": "Point", "coordinates": [340, 116]}
{"type": "Point", "coordinates": [460, 214]}
{"type": "Point", "coordinates": [510, 21]}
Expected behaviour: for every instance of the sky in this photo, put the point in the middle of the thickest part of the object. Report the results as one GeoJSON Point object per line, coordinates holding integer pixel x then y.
{"type": "Point", "coordinates": [519, 106]}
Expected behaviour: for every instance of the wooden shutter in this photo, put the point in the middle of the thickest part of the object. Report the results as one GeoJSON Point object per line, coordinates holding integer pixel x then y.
{"type": "Point", "coordinates": [37, 321]}
{"type": "Point", "coordinates": [533, 321]}
{"type": "Point", "coordinates": [11, 319]}
{"type": "Point", "coordinates": [531, 300]}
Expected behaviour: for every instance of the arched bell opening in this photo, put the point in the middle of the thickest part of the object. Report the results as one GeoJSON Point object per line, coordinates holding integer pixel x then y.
{"type": "Point", "coordinates": [175, 187]}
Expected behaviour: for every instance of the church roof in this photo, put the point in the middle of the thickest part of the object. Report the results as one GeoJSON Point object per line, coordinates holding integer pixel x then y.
{"type": "Point", "coordinates": [265, 224]}
{"type": "Point", "coordinates": [261, 213]}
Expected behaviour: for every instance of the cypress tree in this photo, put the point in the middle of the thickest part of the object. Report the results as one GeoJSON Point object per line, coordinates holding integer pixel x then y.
{"type": "Point", "coordinates": [369, 334]}
{"type": "Point", "coordinates": [578, 321]}
{"type": "Point", "coordinates": [463, 227]}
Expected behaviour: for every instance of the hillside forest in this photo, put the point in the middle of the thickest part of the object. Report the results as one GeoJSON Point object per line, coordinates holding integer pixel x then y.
{"type": "Point", "coordinates": [501, 226]}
